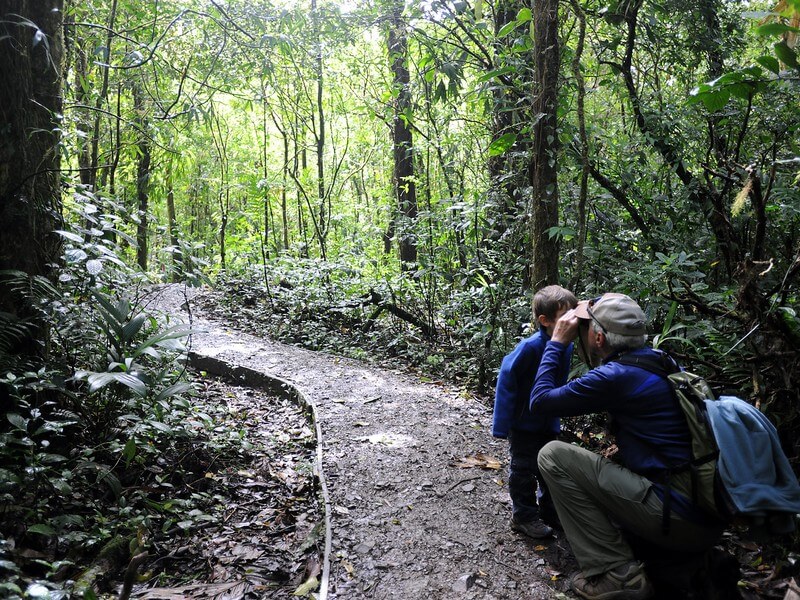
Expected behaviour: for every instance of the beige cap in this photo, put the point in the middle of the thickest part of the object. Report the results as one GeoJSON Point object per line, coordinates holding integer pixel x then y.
{"type": "Point", "coordinates": [615, 313]}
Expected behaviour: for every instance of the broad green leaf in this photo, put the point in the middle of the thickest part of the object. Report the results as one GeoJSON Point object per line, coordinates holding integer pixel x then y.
{"type": "Point", "coordinates": [506, 29]}
{"type": "Point", "coordinates": [129, 451]}
{"type": "Point", "coordinates": [162, 338]}
{"type": "Point", "coordinates": [37, 590]}
{"type": "Point", "coordinates": [74, 255]}
{"type": "Point", "coordinates": [94, 266]}
{"type": "Point", "coordinates": [770, 63]}
{"type": "Point", "coordinates": [775, 29]}
{"type": "Point", "coordinates": [502, 144]}
{"type": "Point", "coordinates": [174, 390]}
{"type": "Point", "coordinates": [8, 476]}
{"type": "Point", "coordinates": [714, 101]}
{"type": "Point", "coordinates": [18, 421]}
{"type": "Point", "coordinates": [42, 529]}
{"type": "Point", "coordinates": [61, 485]}
{"type": "Point", "coordinates": [786, 55]}
{"type": "Point", "coordinates": [112, 481]}
{"type": "Point", "coordinates": [8, 565]}
{"type": "Point", "coordinates": [72, 237]}
{"type": "Point", "coordinates": [160, 426]}
{"type": "Point", "coordinates": [100, 380]}
{"type": "Point", "coordinates": [789, 317]}
{"type": "Point", "coordinates": [133, 327]}
{"type": "Point", "coordinates": [524, 15]}
{"type": "Point", "coordinates": [741, 90]}
{"type": "Point", "coordinates": [495, 73]}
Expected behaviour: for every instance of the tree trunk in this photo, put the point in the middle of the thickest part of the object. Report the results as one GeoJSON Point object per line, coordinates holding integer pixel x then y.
{"type": "Point", "coordinates": [142, 177]}
{"type": "Point", "coordinates": [511, 115]}
{"type": "Point", "coordinates": [584, 143]}
{"type": "Point", "coordinates": [81, 125]}
{"type": "Point", "coordinates": [30, 109]}
{"type": "Point", "coordinates": [172, 223]}
{"type": "Point", "coordinates": [324, 216]}
{"type": "Point", "coordinates": [403, 176]}
{"type": "Point", "coordinates": [102, 97]}
{"type": "Point", "coordinates": [544, 164]}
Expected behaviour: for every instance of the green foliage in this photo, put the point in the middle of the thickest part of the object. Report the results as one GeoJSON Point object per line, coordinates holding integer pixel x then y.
{"type": "Point", "coordinates": [270, 130]}
{"type": "Point", "coordinates": [95, 437]}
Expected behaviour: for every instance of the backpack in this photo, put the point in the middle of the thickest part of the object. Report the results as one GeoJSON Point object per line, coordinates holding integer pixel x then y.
{"type": "Point", "coordinates": [728, 481]}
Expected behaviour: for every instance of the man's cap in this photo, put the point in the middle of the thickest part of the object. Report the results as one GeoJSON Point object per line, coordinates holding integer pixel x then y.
{"type": "Point", "coordinates": [615, 313]}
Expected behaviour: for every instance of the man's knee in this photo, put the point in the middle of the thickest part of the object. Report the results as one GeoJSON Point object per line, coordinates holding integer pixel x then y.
{"type": "Point", "coordinates": [550, 454]}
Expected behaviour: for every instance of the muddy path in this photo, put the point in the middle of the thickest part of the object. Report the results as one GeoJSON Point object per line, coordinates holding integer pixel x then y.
{"type": "Point", "coordinates": [415, 482]}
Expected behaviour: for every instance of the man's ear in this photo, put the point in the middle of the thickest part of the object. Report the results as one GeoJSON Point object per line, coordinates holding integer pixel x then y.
{"type": "Point", "coordinates": [600, 338]}
{"type": "Point", "coordinates": [544, 321]}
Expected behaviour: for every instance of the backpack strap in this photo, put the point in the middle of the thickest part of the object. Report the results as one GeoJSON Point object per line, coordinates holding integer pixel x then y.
{"type": "Point", "coordinates": [658, 362]}
{"type": "Point", "coordinates": [663, 365]}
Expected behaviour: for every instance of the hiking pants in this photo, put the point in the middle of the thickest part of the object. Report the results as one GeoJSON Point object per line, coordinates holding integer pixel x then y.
{"type": "Point", "coordinates": [524, 477]}
{"type": "Point", "coordinates": [597, 499]}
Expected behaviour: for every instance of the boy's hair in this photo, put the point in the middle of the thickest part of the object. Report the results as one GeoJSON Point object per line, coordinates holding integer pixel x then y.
{"type": "Point", "coordinates": [549, 300]}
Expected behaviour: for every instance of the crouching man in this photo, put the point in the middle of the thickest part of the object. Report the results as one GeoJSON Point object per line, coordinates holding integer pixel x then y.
{"type": "Point", "coordinates": [598, 500]}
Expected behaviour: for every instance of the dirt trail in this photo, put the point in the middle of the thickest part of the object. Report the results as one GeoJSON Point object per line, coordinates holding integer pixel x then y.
{"type": "Point", "coordinates": [407, 522]}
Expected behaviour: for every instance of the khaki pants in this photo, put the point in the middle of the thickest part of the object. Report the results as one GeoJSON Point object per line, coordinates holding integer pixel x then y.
{"type": "Point", "coordinates": [596, 498]}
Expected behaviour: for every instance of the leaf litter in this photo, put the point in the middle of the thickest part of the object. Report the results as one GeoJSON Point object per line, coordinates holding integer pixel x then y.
{"type": "Point", "coordinates": [262, 534]}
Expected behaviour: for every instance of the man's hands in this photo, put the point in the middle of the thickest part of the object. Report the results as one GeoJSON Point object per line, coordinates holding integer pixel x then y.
{"type": "Point", "coordinates": [566, 328]}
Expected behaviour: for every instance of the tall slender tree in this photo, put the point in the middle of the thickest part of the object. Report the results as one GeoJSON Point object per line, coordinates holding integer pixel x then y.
{"type": "Point", "coordinates": [143, 147]}
{"type": "Point", "coordinates": [402, 138]}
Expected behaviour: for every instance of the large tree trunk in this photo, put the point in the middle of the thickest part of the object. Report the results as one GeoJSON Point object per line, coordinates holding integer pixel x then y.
{"type": "Point", "coordinates": [31, 54]}
{"type": "Point", "coordinates": [403, 177]}
{"type": "Point", "coordinates": [544, 163]}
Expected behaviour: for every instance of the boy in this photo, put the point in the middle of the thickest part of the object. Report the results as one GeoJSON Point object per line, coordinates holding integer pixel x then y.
{"type": "Point", "coordinates": [525, 432]}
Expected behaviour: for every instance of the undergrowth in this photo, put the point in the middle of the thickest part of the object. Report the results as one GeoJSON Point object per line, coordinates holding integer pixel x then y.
{"type": "Point", "coordinates": [322, 305]}
{"type": "Point", "coordinates": [104, 446]}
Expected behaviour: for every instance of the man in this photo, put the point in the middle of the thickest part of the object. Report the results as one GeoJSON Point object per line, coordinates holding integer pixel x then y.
{"type": "Point", "coordinates": [598, 500]}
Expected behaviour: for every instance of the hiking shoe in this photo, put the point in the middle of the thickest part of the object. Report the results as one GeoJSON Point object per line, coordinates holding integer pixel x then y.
{"type": "Point", "coordinates": [534, 529]}
{"type": "Point", "coordinates": [626, 582]}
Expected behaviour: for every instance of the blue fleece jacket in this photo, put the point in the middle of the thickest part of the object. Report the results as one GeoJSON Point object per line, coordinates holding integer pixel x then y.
{"type": "Point", "coordinates": [644, 413]}
{"type": "Point", "coordinates": [514, 382]}
{"type": "Point", "coordinates": [752, 465]}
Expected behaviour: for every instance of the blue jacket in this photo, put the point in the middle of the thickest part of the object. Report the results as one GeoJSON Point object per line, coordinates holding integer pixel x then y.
{"type": "Point", "coordinates": [752, 465]}
{"type": "Point", "coordinates": [644, 414]}
{"type": "Point", "coordinates": [514, 382]}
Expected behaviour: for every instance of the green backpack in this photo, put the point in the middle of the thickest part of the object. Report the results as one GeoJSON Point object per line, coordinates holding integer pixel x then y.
{"type": "Point", "coordinates": [691, 392]}
{"type": "Point", "coordinates": [709, 489]}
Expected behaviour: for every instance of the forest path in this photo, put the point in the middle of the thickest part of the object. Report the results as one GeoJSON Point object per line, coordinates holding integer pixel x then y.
{"type": "Point", "coordinates": [407, 520]}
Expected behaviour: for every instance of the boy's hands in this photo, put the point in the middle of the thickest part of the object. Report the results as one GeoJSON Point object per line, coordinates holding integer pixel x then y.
{"type": "Point", "coordinates": [566, 328]}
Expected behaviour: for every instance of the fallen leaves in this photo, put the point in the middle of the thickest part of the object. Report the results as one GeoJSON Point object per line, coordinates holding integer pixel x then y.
{"type": "Point", "coordinates": [262, 527]}
{"type": "Point", "coordinates": [480, 461]}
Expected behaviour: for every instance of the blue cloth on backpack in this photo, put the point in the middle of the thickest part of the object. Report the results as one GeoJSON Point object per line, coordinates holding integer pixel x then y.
{"type": "Point", "coordinates": [753, 468]}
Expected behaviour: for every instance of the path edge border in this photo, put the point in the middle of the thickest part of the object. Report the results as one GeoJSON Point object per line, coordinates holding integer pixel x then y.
{"type": "Point", "coordinates": [284, 389]}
